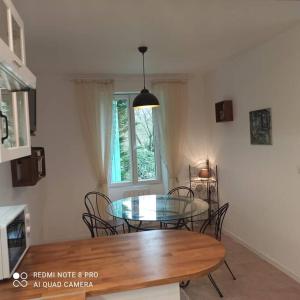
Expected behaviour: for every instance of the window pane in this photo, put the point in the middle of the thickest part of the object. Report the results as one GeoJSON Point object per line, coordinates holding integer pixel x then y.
{"type": "Point", "coordinates": [17, 38]}
{"type": "Point", "coordinates": [6, 106]}
{"type": "Point", "coordinates": [22, 119]}
{"type": "Point", "coordinates": [3, 22]}
{"type": "Point", "coordinates": [121, 153]}
{"type": "Point", "coordinates": [145, 151]}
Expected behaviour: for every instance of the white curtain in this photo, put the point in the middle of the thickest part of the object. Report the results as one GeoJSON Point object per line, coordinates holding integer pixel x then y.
{"type": "Point", "coordinates": [94, 100]}
{"type": "Point", "coordinates": [171, 121]}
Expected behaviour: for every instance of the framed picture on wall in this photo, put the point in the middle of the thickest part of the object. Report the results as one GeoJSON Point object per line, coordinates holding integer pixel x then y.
{"type": "Point", "coordinates": [261, 127]}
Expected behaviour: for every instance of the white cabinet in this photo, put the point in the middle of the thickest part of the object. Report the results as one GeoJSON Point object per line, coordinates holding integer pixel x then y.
{"type": "Point", "coordinates": [12, 30]}
{"type": "Point", "coordinates": [15, 79]}
{"type": "Point", "coordinates": [15, 133]}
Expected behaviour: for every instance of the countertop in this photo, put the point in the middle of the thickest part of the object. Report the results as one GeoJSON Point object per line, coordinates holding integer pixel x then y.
{"type": "Point", "coordinates": [113, 264]}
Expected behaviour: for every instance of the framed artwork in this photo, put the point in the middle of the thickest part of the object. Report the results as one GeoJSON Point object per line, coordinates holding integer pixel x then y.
{"type": "Point", "coordinates": [261, 127]}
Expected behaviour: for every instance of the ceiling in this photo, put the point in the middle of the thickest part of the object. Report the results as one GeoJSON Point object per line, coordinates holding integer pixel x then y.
{"type": "Point", "coordinates": [184, 36]}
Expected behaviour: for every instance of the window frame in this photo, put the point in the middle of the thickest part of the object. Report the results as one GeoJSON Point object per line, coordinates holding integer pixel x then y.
{"type": "Point", "coordinates": [132, 145]}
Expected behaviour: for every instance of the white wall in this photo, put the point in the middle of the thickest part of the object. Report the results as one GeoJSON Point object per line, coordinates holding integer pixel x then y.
{"type": "Point", "coordinates": [196, 128]}
{"type": "Point", "coordinates": [261, 182]}
{"type": "Point", "coordinates": [68, 172]}
{"type": "Point", "coordinates": [32, 196]}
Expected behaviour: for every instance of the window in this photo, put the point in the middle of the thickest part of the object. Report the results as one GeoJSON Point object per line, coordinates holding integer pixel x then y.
{"type": "Point", "coordinates": [134, 152]}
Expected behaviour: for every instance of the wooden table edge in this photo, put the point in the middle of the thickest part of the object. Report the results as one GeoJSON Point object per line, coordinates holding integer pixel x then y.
{"type": "Point", "coordinates": [158, 282]}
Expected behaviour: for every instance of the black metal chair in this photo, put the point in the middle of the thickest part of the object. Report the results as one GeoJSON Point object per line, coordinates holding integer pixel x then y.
{"type": "Point", "coordinates": [179, 191]}
{"type": "Point", "coordinates": [182, 191]}
{"type": "Point", "coordinates": [97, 226]}
{"type": "Point", "coordinates": [92, 204]}
{"type": "Point", "coordinates": [218, 216]}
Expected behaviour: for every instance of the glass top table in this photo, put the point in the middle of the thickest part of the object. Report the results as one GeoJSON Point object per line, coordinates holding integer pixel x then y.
{"type": "Point", "coordinates": [161, 208]}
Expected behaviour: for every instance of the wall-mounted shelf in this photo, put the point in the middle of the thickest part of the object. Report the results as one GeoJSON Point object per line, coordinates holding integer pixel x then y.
{"type": "Point", "coordinates": [27, 171]}
{"type": "Point", "coordinates": [224, 111]}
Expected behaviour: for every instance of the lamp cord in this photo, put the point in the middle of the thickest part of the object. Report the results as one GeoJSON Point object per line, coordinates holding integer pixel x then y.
{"type": "Point", "coordinates": [144, 71]}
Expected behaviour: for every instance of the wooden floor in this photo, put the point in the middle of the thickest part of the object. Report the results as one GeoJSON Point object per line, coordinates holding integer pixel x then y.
{"type": "Point", "coordinates": [256, 279]}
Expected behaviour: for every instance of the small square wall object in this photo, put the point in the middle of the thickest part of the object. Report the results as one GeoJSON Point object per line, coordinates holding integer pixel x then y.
{"type": "Point", "coordinates": [224, 111]}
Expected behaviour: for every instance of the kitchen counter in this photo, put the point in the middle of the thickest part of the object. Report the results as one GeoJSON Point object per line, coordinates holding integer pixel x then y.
{"type": "Point", "coordinates": [123, 266]}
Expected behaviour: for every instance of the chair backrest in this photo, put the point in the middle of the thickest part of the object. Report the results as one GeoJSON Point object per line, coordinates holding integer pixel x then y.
{"type": "Point", "coordinates": [97, 226]}
{"type": "Point", "coordinates": [136, 192]}
{"type": "Point", "coordinates": [92, 202]}
{"type": "Point", "coordinates": [219, 216]}
{"type": "Point", "coordinates": [182, 191]}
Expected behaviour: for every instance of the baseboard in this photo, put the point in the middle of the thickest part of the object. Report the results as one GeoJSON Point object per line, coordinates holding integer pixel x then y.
{"type": "Point", "coordinates": [270, 260]}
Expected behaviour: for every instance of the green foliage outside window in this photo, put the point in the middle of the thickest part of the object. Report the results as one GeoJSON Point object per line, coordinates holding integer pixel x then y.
{"type": "Point", "coordinates": [145, 144]}
{"type": "Point", "coordinates": [144, 152]}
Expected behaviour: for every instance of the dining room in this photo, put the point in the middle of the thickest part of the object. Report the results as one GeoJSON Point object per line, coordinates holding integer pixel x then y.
{"type": "Point", "coordinates": [143, 162]}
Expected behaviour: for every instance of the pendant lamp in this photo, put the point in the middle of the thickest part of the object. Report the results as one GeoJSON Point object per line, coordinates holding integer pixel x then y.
{"type": "Point", "coordinates": [144, 98]}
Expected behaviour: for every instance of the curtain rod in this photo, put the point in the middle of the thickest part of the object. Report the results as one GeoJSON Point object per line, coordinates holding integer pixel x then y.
{"type": "Point", "coordinates": [116, 77]}
{"type": "Point", "coordinates": [169, 81]}
{"type": "Point", "coordinates": [87, 80]}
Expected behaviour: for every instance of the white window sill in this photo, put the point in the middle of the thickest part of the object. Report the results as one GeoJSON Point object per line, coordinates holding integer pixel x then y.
{"type": "Point", "coordinates": [134, 184]}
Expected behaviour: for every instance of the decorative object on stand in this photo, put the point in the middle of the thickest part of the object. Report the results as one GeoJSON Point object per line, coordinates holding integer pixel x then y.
{"type": "Point", "coordinates": [224, 111]}
{"type": "Point", "coordinates": [144, 98]}
{"type": "Point", "coordinates": [203, 179]}
{"type": "Point", "coordinates": [204, 172]}
{"type": "Point", "coordinates": [261, 127]}
{"type": "Point", "coordinates": [27, 171]}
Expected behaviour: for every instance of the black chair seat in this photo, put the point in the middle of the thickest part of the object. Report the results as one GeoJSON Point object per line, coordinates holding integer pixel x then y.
{"type": "Point", "coordinates": [115, 222]}
{"type": "Point", "coordinates": [97, 226]}
{"type": "Point", "coordinates": [92, 203]}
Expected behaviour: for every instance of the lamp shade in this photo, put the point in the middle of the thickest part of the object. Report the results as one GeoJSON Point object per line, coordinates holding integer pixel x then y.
{"type": "Point", "coordinates": [145, 99]}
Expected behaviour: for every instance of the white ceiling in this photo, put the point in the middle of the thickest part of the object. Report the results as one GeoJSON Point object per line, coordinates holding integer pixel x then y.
{"type": "Point", "coordinates": [101, 36]}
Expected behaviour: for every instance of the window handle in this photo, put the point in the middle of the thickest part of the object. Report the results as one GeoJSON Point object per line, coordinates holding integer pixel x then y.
{"type": "Point", "coordinates": [6, 127]}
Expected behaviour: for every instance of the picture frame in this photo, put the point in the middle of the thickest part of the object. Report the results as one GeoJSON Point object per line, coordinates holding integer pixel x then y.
{"type": "Point", "coordinates": [261, 127]}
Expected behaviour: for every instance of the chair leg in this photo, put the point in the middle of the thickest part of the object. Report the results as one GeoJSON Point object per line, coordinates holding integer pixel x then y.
{"type": "Point", "coordinates": [123, 228]}
{"type": "Point", "coordinates": [192, 221]}
{"type": "Point", "coordinates": [139, 226]}
{"type": "Point", "coordinates": [184, 284]}
{"type": "Point", "coordinates": [128, 225]}
{"type": "Point", "coordinates": [187, 227]}
{"type": "Point", "coordinates": [215, 285]}
{"type": "Point", "coordinates": [226, 264]}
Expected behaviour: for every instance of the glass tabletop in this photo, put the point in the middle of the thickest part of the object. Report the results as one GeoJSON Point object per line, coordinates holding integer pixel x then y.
{"type": "Point", "coordinates": [156, 208]}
